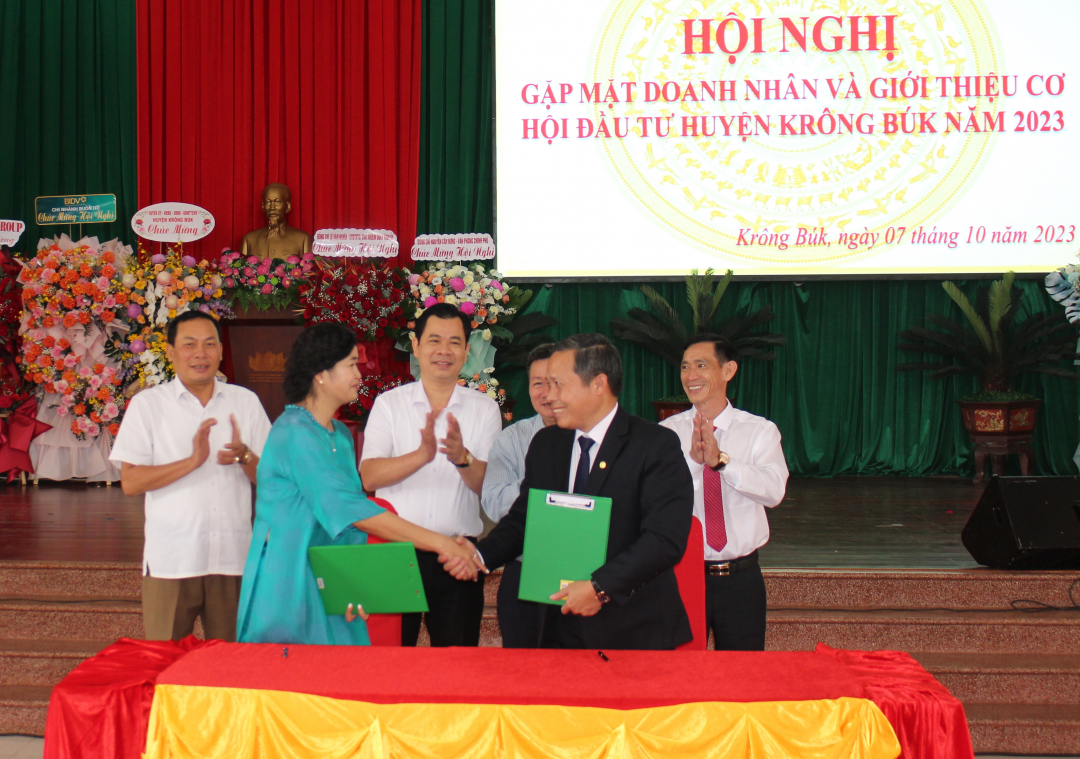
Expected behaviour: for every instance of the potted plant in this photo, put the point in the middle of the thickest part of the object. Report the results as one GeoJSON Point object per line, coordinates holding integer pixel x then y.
{"type": "Point", "coordinates": [996, 349]}
{"type": "Point", "coordinates": [663, 332]}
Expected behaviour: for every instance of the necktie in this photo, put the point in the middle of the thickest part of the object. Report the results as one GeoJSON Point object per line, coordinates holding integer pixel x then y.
{"type": "Point", "coordinates": [715, 529]}
{"type": "Point", "coordinates": [583, 465]}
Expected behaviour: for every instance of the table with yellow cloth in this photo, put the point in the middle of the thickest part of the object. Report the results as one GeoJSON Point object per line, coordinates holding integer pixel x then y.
{"type": "Point", "coordinates": [248, 700]}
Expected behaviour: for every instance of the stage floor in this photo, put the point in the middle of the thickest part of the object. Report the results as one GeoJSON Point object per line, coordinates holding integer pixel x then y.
{"type": "Point", "coordinates": [856, 522]}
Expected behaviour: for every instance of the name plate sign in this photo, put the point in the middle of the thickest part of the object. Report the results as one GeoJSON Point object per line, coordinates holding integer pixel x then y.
{"type": "Point", "coordinates": [10, 231]}
{"type": "Point", "coordinates": [463, 247]}
{"type": "Point", "coordinates": [172, 222]}
{"type": "Point", "coordinates": [74, 209]}
{"type": "Point", "coordinates": [368, 243]}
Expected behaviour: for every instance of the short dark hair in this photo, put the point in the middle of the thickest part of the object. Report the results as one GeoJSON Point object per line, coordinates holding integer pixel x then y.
{"type": "Point", "coordinates": [316, 349]}
{"type": "Point", "coordinates": [539, 353]}
{"type": "Point", "coordinates": [725, 349]}
{"type": "Point", "coordinates": [189, 316]}
{"type": "Point", "coordinates": [442, 311]}
{"type": "Point", "coordinates": [594, 355]}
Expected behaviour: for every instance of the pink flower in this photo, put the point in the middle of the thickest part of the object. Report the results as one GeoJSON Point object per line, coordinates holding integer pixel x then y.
{"type": "Point", "coordinates": [110, 302]}
{"type": "Point", "coordinates": [267, 289]}
{"type": "Point", "coordinates": [467, 308]}
{"type": "Point", "coordinates": [70, 360]}
{"type": "Point", "coordinates": [62, 410]}
{"type": "Point", "coordinates": [286, 283]}
{"type": "Point", "coordinates": [414, 278]}
{"type": "Point", "coordinates": [253, 260]}
{"type": "Point", "coordinates": [457, 283]}
{"type": "Point", "coordinates": [430, 301]}
{"type": "Point", "coordinates": [111, 411]}
{"type": "Point", "coordinates": [497, 285]}
{"type": "Point", "coordinates": [293, 260]}
{"type": "Point", "coordinates": [249, 272]}
{"type": "Point", "coordinates": [230, 282]}
{"type": "Point", "coordinates": [103, 283]}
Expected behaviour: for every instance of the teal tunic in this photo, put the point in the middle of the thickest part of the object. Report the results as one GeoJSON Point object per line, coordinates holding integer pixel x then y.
{"type": "Point", "coordinates": [309, 494]}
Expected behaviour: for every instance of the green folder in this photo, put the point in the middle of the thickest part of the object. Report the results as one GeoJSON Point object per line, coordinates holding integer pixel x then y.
{"type": "Point", "coordinates": [566, 537]}
{"type": "Point", "coordinates": [383, 577]}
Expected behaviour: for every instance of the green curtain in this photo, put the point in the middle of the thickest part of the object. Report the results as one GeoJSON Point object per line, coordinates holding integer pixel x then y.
{"type": "Point", "coordinates": [67, 82]}
{"type": "Point", "coordinates": [456, 93]}
{"type": "Point", "coordinates": [834, 391]}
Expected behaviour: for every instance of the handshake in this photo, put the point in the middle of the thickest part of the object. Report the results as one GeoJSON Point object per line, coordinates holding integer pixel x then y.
{"type": "Point", "coordinates": [461, 560]}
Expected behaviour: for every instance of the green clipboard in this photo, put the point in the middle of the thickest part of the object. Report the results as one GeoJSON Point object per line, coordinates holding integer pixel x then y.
{"type": "Point", "coordinates": [566, 537]}
{"type": "Point", "coordinates": [384, 577]}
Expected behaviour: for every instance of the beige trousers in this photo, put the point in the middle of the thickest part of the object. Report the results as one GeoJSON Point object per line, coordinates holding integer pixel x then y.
{"type": "Point", "coordinates": [171, 606]}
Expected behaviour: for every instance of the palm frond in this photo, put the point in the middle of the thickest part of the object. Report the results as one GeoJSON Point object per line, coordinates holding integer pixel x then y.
{"type": "Point", "coordinates": [1000, 304]}
{"type": "Point", "coordinates": [977, 322]}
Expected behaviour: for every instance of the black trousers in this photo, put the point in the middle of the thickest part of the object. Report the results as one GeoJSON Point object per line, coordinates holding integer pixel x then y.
{"type": "Point", "coordinates": [735, 610]}
{"type": "Point", "coordinates": [519, 620]}
{"type": "Point", "coordinates": [454, 607]}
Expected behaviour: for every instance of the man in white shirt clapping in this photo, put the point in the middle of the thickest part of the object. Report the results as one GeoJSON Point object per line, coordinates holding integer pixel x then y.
{"type": "Point", "coordinates": [739, 470]}
{"type": "Point", "coordinates": [198, 504]}
{"type": "Point", "coordinates": [426, 447]}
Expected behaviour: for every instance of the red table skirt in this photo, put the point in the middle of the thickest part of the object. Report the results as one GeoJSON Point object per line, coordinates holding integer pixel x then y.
{"type": "Point", "coordinates": [101, 709]}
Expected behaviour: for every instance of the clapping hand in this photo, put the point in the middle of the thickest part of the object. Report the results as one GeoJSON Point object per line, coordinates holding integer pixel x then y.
{"type": "Point", "coordinates": [452, 445]}
{"type": "Point", "coordinates": [201, 442]}
{"type": "Point", "coordinates": [703, 446]}
{"type": "Point", "coordinates": [234, 451]}
{"type": "Point", "coordinates": [428, 444]}
{"type": "Point", "coordinates": [461, 559]}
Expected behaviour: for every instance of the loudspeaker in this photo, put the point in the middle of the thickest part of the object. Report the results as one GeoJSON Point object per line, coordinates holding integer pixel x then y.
{"type": "Point", "coordinates": [1026, 523]}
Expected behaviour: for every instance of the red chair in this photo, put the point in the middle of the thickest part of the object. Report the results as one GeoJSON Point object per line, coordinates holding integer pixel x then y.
{"type": "Point", "coordinates": [690, 574]}
{"type": "Point", "coordinates": [385, 629]}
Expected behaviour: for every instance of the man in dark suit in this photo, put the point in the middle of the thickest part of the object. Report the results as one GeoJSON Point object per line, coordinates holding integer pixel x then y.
{"type": "Point", "coordinates": [632, 601]}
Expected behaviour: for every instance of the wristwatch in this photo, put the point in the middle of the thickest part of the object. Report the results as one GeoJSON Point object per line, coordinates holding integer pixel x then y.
{"type": "Point", "coordinates": [724, 459]}
{"type": "Point", "coordinates": [601, 596]}
{"type": "Point", "coordinates": [468, 460]}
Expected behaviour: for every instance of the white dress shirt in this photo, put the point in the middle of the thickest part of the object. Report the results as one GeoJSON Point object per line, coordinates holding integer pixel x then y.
{"type": "Point", "coordinates": [597, 433]}
{"type": "Point", "coordinates": [755, 478]}
{"type": "Point", "coordinates": [200, 524]}
{"type": "Point", "coordinates": [434, 496]}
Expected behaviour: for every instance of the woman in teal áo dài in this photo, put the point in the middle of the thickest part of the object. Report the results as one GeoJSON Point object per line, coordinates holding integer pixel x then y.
{"type": "Point", "coordinates": [309, 494]}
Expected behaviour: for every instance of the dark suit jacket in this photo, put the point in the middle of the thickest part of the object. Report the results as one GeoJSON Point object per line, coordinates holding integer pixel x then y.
{"type": "Point", "coordinates": [652, 503]}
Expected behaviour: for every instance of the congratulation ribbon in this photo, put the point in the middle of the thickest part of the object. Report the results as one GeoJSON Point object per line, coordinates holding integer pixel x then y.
{"type": "Point", "coordinates": [16, 434]}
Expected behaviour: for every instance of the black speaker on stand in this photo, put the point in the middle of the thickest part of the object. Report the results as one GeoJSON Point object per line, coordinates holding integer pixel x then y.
{"type": "Point", "coordinates": [1026, 523]}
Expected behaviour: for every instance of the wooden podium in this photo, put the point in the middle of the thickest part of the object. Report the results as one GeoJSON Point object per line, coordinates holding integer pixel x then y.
{"type": "Point", "coordinates": [259, 344]}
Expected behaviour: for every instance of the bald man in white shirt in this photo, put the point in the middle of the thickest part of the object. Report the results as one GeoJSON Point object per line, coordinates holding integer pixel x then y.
{"type": "Point", "coordinates": [739, 470]}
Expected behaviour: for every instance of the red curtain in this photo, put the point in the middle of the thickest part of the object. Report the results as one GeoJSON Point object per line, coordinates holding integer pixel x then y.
{"type": "Point", "coordinates": [323, 96]}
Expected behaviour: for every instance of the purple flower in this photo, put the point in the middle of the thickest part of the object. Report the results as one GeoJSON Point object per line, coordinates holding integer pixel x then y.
{"type": "Point", "coordinates": [134, 311]}
{"type": "Point", "coordinates": [205, 308]}
{"type": "Point", "coordinates": [430, 301]}
{"type": "Point", "coordinates": [414, 278]}
{"type": "Point", "coordinates": [457, 283]}
{"type": "Point", "coordinates": [137, 346]}
{"type": "Point", "coordinates": [188, 260]}
{"type": "Point", "coordinates": [468, 308]}
{"type": "Point", "coordinates": [157, 258]}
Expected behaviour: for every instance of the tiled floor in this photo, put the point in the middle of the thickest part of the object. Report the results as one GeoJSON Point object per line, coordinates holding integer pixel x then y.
{"type": "Point", "coordinates": [21, 747]}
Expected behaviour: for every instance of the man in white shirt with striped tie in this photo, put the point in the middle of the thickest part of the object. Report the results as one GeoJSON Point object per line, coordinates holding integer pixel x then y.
{"type": "Point", "coordinates": [739, 470]}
